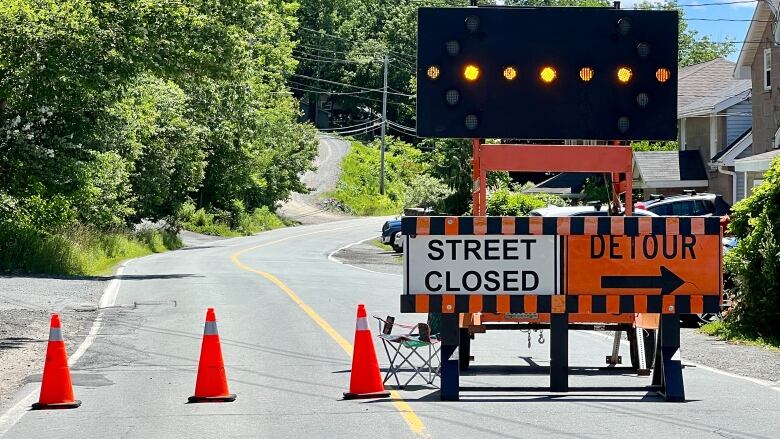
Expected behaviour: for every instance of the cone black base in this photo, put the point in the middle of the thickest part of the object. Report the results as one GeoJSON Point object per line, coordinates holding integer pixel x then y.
{"type": "Point", "coordinates": [58, 406]}
{"type": "Point", "coordinates": [384, 394]}
{"type": "Point", "coordinates": [227, 398]}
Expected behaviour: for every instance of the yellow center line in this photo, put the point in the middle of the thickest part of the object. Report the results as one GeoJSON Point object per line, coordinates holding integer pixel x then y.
{"type": "Point", "coordinates": [406, 411]}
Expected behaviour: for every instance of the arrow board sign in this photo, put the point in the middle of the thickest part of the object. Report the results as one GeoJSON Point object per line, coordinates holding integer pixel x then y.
{"type": "Point", "coordinates": [471, 264]}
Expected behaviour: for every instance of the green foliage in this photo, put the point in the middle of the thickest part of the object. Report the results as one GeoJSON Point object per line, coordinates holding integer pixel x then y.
{"type": "Point", "coordinates": [726, 331]}
{"type": "Point", "coordinates": [645, 145]}
{"type": "Point", "coordinates": [450, 161]}
{"type": "Point", "coordinates": [692, 47]}
{"type": "Point", "coordinates": [76, 251]}
{"type": "Point", "coordinates": [53, 214]}
{"type": "Point", "coordinates": [104, 196]}
{"type": "Point", "coordinates": [234, 222]}
{"type": "Point", "coordinates": [506, 202]}
{"type": "Point", "coordinates": [755, 261]}
{"type": "Point", "coordinates": [149, 127]}
{"type": "Point", "coordinates": [426, 191]}
{"type": "Point", "coordinates": [117, 111]}
{"type": "Point", "coordinates": [595, 190]}
{"type": "Point", "coordinates": [358, 186]}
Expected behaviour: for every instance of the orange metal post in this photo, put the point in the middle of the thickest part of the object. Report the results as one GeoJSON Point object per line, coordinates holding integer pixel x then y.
{"type": "Point", "coordinates": [477, 184]}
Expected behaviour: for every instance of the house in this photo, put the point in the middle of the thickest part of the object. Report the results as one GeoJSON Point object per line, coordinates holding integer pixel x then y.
{"type": "Point", "coordinates": [669, 172]}
{"type": "Point", "coordinates": [714, 117]}
{"type": "Point", "coordinates": [759, 63]}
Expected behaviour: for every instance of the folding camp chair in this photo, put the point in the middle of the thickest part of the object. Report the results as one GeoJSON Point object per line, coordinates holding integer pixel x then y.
{"type": "Point", "coordinates": [408, 349]}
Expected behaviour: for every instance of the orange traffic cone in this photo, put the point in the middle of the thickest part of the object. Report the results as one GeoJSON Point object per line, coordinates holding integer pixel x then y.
{"type": "Point", "coordinates": [56, 388]}
{"type": "Point", "coordinates": [365, 380]}
{"type": "Point", "coordinates": [211, 385]}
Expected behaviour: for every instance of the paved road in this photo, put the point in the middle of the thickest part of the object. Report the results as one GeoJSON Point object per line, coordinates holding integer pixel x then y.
{"type": "Point", "coordinates": [305, 208]}
{"type": "Point", "coordinates": [289, 371]}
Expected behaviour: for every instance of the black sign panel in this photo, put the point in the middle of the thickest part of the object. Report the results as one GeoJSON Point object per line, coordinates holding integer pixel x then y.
{"type": "Point", "coordinates": [547, 73]}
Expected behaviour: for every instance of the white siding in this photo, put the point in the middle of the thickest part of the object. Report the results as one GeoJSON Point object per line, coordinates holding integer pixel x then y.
{"type": "Point", "coordinates": [738, 121]}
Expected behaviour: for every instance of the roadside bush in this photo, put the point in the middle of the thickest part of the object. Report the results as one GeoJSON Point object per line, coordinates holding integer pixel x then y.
{"type": "Point", "coordinates": [104, 197]}
{"type": "Point", "coordinates": [185, 212]}
{"type": "Point", "coordinates": [755, 261]}
{"type": "Point", "coordinates": [426, 191]}
{"type": "Point", "coordinates": [358, 186]}
{"type": "Point", "coordinates": [47, 214]}
{"type": "Point", "coordinates": [505, 202]}
{"type": "Point", "coordinates": [234, 222]}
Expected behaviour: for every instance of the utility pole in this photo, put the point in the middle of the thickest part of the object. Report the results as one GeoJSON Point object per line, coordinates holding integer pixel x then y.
{"type": "Point", "coordinates": [384, 128]}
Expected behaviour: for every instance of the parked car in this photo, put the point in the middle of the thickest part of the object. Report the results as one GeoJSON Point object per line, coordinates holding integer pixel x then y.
{"type": "Point", "coordinates": [390, 230]}
{"type": "Point", "coordinates": [591, 210]}
{"type": "Point", "coordinates": [688, 204]}
{"type": "Point", "coordinates": [398, 243]}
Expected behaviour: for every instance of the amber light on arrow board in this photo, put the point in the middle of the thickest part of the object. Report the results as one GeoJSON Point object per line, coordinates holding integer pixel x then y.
{"type": "Point", "coordinates": [662, 75]}
{"type": "Point", "coordinates": [586, 74]}
{"type": "Point", "coordinates": [510, 73]}
{"type": "Point", "coordinates": [471, 72]}
{"type": "Point", "coordinates": [548, 74]}
{"type": "Point", "coordinates": [624, 74]}
{"type": "Point", "coordinates": [433, 72]}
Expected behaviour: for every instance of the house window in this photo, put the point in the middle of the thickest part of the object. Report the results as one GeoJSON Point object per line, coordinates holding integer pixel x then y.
{"type": "Point", "coordinates": [767, 69]}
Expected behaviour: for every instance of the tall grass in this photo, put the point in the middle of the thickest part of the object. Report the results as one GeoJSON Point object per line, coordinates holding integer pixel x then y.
{"type": "Point", "coordinates": [78, 250]}
{"type": "Point", "coordinates": [235, 223]}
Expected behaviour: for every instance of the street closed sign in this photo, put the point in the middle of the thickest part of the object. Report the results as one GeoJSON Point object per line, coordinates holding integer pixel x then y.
{"type": "Point", "coordinates": [483, 264]}
{"type": "Point", "coordinates": [634, 262]}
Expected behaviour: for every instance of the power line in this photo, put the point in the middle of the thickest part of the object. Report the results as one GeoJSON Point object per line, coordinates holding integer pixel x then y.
{"type": "Point", "coordinates": [362, 125]}
{"type": "Point", "coordinates": [403, 127]}
{"type": "Point", "coordinates": [730, 19]}
{"type": "Point", "coordinates": [330, 92]}
{"type": "Point", "coordinates": [358, 130]}
{"type": "Point", "coordinates": [324, 91]}
{"type": "Point", "coordinates": [324, 34]}
{"type": "Point", "coordinates": [327, 58]}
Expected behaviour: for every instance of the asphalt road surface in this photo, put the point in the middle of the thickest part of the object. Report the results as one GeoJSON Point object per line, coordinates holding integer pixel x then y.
{"type": "Point", "coordinates": [307, 208]}
{"type": "Point", "coordinates": [286, 317]}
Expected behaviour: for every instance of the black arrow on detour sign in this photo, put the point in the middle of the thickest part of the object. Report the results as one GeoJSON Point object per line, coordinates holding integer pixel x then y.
{"type": "Point", "coordinates": [667, 281]}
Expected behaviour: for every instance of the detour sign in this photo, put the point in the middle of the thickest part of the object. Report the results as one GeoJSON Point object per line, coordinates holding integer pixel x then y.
{"type": "Point", "coordinates": [647, 264]}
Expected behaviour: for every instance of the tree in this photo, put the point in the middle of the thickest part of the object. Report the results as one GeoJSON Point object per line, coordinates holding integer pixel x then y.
{"type": "Point", "coordinates": [149, 127]}
{"type": "Point", "coordinates": [755, 261]}
{"type": "Point", "coordinates": [693, 48]}
{"type": "Point", "coordinates": [151, 90]}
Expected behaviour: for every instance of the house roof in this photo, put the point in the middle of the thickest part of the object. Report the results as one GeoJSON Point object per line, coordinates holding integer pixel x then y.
{"type": "Point", "coordinates": [709, 87]}
{"type": "Point", "coordinates": [729, 153]}
{"type": "Point", "coordinates": [562, 184]}
{"type": "Point", "coordinates": [669, 169]}
{"type": "Point", "coordinates": [762, 17]}
{"type": "Point", "coordinates": [756, 163]}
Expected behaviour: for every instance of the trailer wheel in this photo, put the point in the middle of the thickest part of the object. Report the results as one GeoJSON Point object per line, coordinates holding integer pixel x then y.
{"type": "Point", "coordinates": [464, 349]}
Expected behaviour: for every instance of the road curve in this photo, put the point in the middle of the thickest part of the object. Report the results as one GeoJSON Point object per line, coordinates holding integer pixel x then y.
{"type": "Point", "coordinates": [305, 208]}
{"type": "Point", "coordinates": [289, 371]}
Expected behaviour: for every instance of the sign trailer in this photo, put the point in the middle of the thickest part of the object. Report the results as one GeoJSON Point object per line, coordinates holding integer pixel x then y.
{"type": "Point", "coordinates": [598, 74]}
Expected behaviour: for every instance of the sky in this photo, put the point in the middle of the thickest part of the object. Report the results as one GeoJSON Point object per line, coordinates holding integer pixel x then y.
{"type": "Point", "coordinates": [716, 30]}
